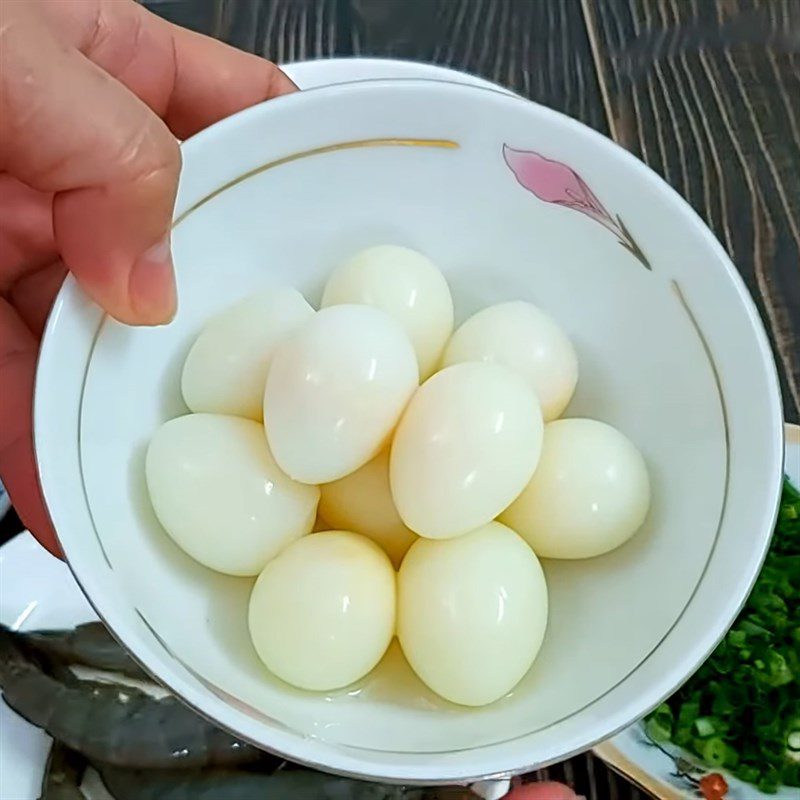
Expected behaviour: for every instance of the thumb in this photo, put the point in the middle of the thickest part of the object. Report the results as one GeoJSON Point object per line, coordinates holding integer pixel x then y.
{"type": "Point", "coordinates": [69, 128]}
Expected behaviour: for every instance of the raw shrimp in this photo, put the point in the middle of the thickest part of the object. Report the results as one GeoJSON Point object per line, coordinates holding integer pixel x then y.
{"type": "Point", "coordinates": [145, 748]}
{"type": "Point", "coordinates": [63, 774]}
{"type": "Point", "coordinates": [116, 724]}
{"type": "Point", "coordinates": [296, 784]}
{"type": "Point", "coordinates": [90, 645]}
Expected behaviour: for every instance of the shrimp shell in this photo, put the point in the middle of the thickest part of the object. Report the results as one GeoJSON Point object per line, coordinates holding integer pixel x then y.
{"type": "Point", "coordinates": [90, 645]}
{"type": "Point", "coordinates": [115, 724]}
{"type": "Point", "coordinates": [296, 784]}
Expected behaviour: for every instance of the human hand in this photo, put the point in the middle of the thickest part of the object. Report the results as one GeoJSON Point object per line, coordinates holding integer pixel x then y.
{"type": "Point", "coordinates": [542, 791]}
{"type": "Point", "coordinates": [92, 96]}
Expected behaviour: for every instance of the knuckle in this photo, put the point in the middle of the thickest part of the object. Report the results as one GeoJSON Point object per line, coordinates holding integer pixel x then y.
{"type": "Point", "coordinates": [115, 35]}
{"type": "Point", "coordinates": [21, 98]}
{"type": "Point", "coordinates": [274, 79]}
{"type": "Point", "coordinates": [149, 150]}
{"type": "Point", "coordinates": [100, 28]}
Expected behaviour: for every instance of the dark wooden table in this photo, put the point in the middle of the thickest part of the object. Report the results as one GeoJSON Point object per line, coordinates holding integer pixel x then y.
{"type": "Point", "coordinates": [707, 92]}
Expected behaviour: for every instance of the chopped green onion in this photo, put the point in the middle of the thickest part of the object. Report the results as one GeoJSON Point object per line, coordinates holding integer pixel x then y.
{"type": "Point", "coordinates": [664, 715]}
{"type": "Point", "coordinates": [656, 731]}
{"type": "Point", "coordinates": [714, 752]}
{"type": "Point", "coordinates": [704, 727]}
{"type": "Point", "coordinates": [747, 773]}
{"type": "Point", "coordinates": [789, 513]}
{"type": "Point", "coordinates": [741, 710]}
{"type": "Point", "coordinates": [770, 781]}
{"type": "Point", "coordinates": [779, 671]}
{"type": "Point", "coordinates": [791, 774]}
{"type": "Point", "coordinates": [737, 638]}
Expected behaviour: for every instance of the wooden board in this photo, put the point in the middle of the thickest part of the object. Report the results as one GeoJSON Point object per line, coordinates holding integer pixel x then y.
{"type": "Point", "coordinates": [707, 92]}
{"type": "Point", "coordinates": [538, 48]}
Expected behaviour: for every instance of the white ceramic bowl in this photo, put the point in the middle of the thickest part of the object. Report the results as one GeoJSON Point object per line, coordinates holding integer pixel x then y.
{"type": "Point", "coordinates": [671, 351]}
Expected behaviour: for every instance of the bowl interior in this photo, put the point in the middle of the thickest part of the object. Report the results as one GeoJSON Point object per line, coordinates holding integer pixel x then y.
{"type": "Point", "coordinates": [669, 352]}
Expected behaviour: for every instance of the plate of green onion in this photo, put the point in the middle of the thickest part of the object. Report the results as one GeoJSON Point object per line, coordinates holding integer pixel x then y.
{"type": "Point", "coordinates": [732, 731]}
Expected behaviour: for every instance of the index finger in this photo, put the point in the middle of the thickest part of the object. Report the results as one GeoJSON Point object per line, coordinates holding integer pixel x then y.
{"type": "Point", "coordinates": [188, 79]}
{"type": "Point", "coordinates": [213, 81]}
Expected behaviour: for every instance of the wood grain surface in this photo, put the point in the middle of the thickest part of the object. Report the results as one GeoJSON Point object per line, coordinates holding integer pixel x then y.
{"type": "Point", "coordinates": [707, 92]}
{"type": "Point", "coordinates": [538, 48]}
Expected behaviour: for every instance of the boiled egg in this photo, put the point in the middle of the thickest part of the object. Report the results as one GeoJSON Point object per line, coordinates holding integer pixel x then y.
{"type": "Point", "coordinates": [362, 502]}
{"type": "Point", "coordinates": [467, 445]}
{"type": "Point", "coordinates": [335, 391]}
{"type": "Point", "coordinates": [471, 613]}
{"type": "Point", "coordinates": [405, 284]}
{"type": "Point", "coordinates": [524, 338]}
{"type": "Point", "coordinates": [219, 494]}
{"type": "Point", "coordinates": [590, 493]}
{"type": "Point", "coordinates": [323, 612]}
{"type": "Point", "coordinates": [226, 368]}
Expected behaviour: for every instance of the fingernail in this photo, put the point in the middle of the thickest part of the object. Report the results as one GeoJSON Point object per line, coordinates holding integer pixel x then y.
{"type": "Point", "coordinates": [159, 252]}
{"type": "Point", "coordinates": [152, 285]}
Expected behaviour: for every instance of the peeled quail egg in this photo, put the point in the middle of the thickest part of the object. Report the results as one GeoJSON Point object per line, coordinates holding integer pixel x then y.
{"type": "Point", "coordinates": [471, 613]}
{"type": "Point", "coordinates": [590, 492]}
{"type": "Point", "coordinates": [527, 340]}
{"type": "Point", "coordinates": [323, 612]}
{"type": "Point", "coordinates": [220, 495]}
{"type": "Point", "coordinates": [405, 284]}
{"type": "Point", "coordinates": [467, 445]}
{"type": "Point", "coordinates": [362, 502]}
{"type": "Point", "coordinates": [226, 368]}
{"type": "Point", "coordinates": [335, 391]}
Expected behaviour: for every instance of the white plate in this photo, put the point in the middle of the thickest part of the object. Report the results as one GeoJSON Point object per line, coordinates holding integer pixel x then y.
{"type": "Point", "coordinates": [37, 590]}
{"type": "Point", "coordinates": [630, 752]}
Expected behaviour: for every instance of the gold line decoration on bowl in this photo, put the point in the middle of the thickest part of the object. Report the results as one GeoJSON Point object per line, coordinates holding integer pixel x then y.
{"type": "Point", "coordinates": [723, 405]}
{"type": "Point", "coordinates": [443, 144]}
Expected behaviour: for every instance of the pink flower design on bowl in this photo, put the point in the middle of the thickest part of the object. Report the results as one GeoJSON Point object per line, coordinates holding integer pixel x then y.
{"type": "Point", "coordinates": [554, 182]}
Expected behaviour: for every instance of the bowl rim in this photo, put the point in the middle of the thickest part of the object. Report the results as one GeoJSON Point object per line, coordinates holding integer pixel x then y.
{"type": "Point", "coordinates": [425, 771]}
